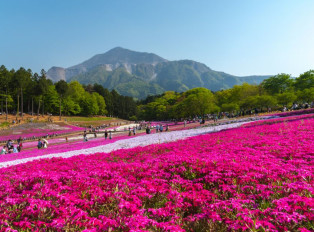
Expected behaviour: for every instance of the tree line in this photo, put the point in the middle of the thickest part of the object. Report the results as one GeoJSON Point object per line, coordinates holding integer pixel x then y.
{"type": "Point", "coordinates": [273, 93]}
{"type": "Point", "coordinates": [22, 91]}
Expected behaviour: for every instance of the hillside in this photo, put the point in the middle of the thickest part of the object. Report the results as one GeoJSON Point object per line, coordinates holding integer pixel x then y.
{"type": "Point", "coordinates": [139, 74]}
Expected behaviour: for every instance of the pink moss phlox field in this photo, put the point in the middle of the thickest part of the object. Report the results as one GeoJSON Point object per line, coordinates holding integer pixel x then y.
{"type": "Point", "coordinates": [42, 132]}
{"type": "Point", "coordinates": [55, 147]}
{"type": "Point", "coordinates": [279, 120]}
{"type": "Point", "coordinates": [295, 112]}
{"type": "Point", "coordinates": [77, 145]}
{"type": "Point", "coordinates": [245, 179]}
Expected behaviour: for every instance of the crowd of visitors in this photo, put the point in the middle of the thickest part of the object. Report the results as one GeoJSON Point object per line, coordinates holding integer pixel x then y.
{"type": "Point", "coordinates": [11, 148]}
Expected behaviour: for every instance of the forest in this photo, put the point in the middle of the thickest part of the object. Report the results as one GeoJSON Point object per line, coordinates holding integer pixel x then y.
{"type": "Point", "coordinates": [275, 93]}
{"type": "Point", "coordinates": [22, 91]}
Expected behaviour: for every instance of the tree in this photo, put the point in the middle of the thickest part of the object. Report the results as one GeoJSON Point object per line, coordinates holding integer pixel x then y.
{"type": "Point", "coordinates": [286, 98]}
{"type": "Point", "coordinates": [41, 88]}
{"type": "Point", "coordinates": [89, 105]}
{"type": "Point", "coordinates": [265, 101]}
{"type": "Point", "coordinates": [76, 91]}
{"type": "Point", "coordinates": [70, 107]}
{"type": "Point", "coordinates": [101, 104]}
{"type": "Point", "coordinates": [198, 101]}
{"type": "Point", "coordinates": [230, 107]}
{"type": "Point", "coordinates": [306, 95]}
{"type": "Point", "coordinates": [21, 78]}
{"type": "Point", "coordinates": [305, 81]}
{"type": "Point", "coordinates": [52, 99]}
{"type": "Point", "coordinates": [249, 103]}
{"type": "Point", "coordinates": [5, 77]}
{"type": "Point", "coordinates": [109, 101]}
{"type": "Point", "coordinates": [277, 84]}
{"type": "Point", "coordinates": [205, 100]}
{"type": "Point", "coordinates": [62, 88]}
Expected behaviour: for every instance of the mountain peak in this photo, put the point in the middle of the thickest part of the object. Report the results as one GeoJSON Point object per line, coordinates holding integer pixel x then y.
{"type": "Point", "coordinates": [112, 59]}
{"type": "Point", "coordinates": [119, 55]}
{"type": "Point", "coordinates": [118, 49]}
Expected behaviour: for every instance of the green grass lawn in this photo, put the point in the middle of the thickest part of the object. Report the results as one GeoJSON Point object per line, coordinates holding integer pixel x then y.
{"type": "Point", "coordinates": [87, 119]}
{"type": "Point", "coordinates": [4, 124]}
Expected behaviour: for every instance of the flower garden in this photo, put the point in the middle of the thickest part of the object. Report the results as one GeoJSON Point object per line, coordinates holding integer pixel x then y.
{"type": "Point", "coordinates": [256, 178]}
{"type": "Point", "coordinates": [41, 132]}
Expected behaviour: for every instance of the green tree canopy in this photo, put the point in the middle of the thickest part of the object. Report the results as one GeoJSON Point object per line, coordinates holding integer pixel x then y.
{"type": "Point", "coordinates": [286, 98]}
{"type": "Point", "coordinates": [277, 84]}
{"type": "Point", "coordinates": [305, 81]}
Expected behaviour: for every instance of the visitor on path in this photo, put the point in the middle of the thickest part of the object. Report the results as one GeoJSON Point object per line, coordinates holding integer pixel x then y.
{"type": "Point", "coordinates": [157, 128]}
{"type": "Point", "coordinates": [85, 137]}
{"type": "Point", "coordinates": [10, 144]}
{"type": "Point", "coordinates": [130, 133]}
{"type": "Point", "coordinates": [39, 144]}
{"type": "Point", "coordinates": [184, 123]}
{"type": "Point", "coordinates": [215, 118]}
{"type": "Point", "coordinates": [19, 146]}
{"type": "Point", "coordinates": [110, 135]}
{"type": "Point", "coordinates": [167, 127]}
{"type": "Point", "coordinates": [134, 130]}
{"type": "Point", "coordinates": [19, 140]}
{"type": "Point", "coordinates": [106, 134]}
{"type": "Point", "coordinates": [3, 150]}
{"type": "Point", "coordinates": [161, 128]}
{"type": "Point", "coordinates": [45, 143]}
{"type": "Point", "coordinates": [14, 150]}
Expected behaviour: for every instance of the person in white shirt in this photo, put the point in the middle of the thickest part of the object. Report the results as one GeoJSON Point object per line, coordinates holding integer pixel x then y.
{"type": "Point", "coordinates": [3, 150]}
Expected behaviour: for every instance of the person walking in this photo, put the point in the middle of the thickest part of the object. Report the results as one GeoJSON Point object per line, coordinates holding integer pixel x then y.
{"type": "Point", "coordinates": [39, 144]}
{"type": "Point", "coordinates": [19, 140]}
{"type": "Point", "coordinates": [106, 134]}
{"type": "Point", "coordinates": [19, 146]}
{"type": "Point", "coordinates": [110, 135]}
{"type": "Point", "coordinates": [134, 130]}
{"type": "Point", "coordinates": [45, 143]}
{"type": "Point", "coordinates": [85, 136]}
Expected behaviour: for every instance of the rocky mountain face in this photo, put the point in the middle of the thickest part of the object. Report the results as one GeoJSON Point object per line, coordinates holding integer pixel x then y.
{"type": "Point", "coordinates": [139, 74]}
{"type": "Point", "coordinates": [111, 60]}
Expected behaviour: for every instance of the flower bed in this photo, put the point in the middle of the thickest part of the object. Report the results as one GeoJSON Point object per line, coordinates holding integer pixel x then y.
{"type": "Point", "coordinates": [279, 120]}
{"type": "Point", "coordinates": [100, 144]}
{"type": "Point", "coordinates": [42, 132]}
{"type": "Point", "coordinates": [258, 178]}
{"type": "Point", "coordinates": [59, 145]}
{"type": "Point", "coordinates": [294, 112]}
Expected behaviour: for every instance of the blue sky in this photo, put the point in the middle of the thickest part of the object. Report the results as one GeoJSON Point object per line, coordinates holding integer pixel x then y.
{"type": "Point", "coordinates": [240, 37]}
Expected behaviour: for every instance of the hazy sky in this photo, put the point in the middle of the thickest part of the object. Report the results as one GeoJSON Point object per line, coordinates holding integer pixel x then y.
{"type": "Point", "coordinates": [240, 37]}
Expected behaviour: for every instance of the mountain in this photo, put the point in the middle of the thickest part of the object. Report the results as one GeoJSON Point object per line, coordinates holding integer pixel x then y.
{"type": "Point", "coordinates": [111, 60]}
{"type": "Point", "coordinates": [139, 74]}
